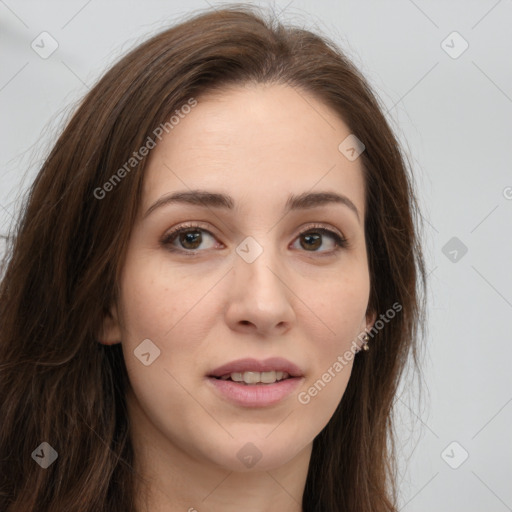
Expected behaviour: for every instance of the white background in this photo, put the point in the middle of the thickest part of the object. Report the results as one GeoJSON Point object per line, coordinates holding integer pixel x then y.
{"type": "Point", "coordinates": [454, 116]}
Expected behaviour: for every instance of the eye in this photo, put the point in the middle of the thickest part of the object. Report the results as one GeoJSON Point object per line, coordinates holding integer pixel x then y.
{"type": "Point", "coordinates": [189, 237]}
{"type": "Point", "coordinates": [312, 238]}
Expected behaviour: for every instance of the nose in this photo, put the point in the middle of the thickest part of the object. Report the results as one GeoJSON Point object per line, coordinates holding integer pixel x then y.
{"type": "Point", "coordinates": [260, 296]}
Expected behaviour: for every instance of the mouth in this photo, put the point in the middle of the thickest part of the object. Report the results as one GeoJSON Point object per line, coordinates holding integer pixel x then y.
{"type": "Point", "coordinates": [253, 371]}
{"type": "Point", "coordinates": [252, 378]}
{"type": "Point", "coordinates": [253, 383]}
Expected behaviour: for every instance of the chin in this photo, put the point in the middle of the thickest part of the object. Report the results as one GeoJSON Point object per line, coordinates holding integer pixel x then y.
{"type": "Point", "coordinates": [251, 453]}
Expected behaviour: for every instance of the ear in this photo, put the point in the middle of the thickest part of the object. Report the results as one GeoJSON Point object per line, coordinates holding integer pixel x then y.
{"type": "Point", "coordinates": [366, 326]}
{"type": "Point", "coordinates": [371, 317]}
{"type": "Point", "coordinates": [110, 333]}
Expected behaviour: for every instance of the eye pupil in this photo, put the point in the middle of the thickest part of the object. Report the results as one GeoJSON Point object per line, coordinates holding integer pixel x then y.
{"type": "Point", "coordinates": [316, 241]}
{"type": "Point", "coordinates": [191, 237]}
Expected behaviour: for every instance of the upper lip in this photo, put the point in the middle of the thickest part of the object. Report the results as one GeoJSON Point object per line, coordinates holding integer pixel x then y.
{"type": "Point", "coordinates": [277, 364]}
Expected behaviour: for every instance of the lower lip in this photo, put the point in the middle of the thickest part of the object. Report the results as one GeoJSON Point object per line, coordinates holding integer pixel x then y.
{"type": "Point", "coordinates": [255, 395]}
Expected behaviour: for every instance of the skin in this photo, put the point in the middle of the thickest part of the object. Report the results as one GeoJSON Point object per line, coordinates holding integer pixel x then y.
{"type": "Point", "coordinates": [256, 143]}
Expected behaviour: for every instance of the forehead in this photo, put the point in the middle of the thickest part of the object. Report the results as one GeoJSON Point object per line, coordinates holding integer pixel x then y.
{"type": "Point", "coordinates": [259, 142]}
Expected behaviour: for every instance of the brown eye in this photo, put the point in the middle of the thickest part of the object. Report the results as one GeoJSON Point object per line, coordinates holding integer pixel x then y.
{"type": "Point", "coordinates": [190, 239]}
{"type": "Point", "coordinates": [186, 239]}
{"type": "Point", "coordinates": [311, 241]}
{"type": "Point", "coordinates": [313, 238]}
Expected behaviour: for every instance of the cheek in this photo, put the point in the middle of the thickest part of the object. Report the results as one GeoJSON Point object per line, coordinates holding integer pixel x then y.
{"type": "Point", "coordinates": [341, 307]}
{"type": "Point", "coordinates": [156, 296]}
{"type": "Point", "coordinates": [171, 308]}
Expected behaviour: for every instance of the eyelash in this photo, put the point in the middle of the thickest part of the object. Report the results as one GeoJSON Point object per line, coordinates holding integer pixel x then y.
{"type": "Point", "coordinates": [341, 242]}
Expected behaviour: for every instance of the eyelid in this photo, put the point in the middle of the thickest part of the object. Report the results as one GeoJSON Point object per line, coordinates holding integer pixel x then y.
{"type": "Point", "coordinates": [326, 227]}
{"type": "Point", "coordinates": [187, 226]}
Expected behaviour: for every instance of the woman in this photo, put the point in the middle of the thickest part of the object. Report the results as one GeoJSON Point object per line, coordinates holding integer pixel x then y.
{"type": "Point", "coordinates": [223, 226]}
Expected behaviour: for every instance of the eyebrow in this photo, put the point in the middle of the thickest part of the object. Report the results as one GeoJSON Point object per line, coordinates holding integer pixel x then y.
{"type": "Point", "coordinates": [209, 199]}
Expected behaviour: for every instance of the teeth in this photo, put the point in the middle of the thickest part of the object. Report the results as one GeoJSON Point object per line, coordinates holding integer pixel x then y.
{"type": "Point", "coordinates": [256, 377]}
{"type": "Point", "coordinates": [267, 377]}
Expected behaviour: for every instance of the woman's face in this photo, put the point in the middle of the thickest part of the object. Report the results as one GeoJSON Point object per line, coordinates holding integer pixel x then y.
{"type": "Point", "coordinates": [242, 282]}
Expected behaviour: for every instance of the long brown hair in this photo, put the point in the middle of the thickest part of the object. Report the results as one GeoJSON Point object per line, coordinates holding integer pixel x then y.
{"type": "Point", "coordinates": [59, 385]}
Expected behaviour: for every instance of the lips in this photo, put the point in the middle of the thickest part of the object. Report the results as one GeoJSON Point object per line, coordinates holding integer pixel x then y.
{"type": "Point", "coordinates": [276, 364]}
{"type": "Point", "coordinates": [255, 394]}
